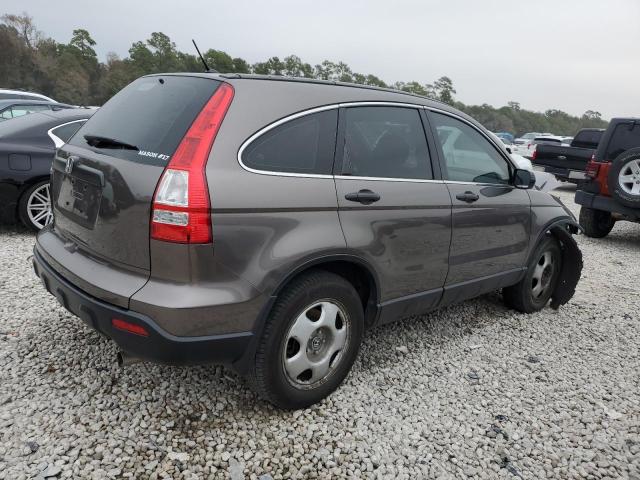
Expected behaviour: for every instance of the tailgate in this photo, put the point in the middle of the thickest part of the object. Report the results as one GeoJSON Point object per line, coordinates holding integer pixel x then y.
{"type": "Point", "coordinates": [104, 179]}
{"type": "Point", "coordinates": [570, 158]}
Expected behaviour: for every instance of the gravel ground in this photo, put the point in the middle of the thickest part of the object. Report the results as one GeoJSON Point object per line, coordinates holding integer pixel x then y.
{"type": "Point", "coordinates": [474, 390]}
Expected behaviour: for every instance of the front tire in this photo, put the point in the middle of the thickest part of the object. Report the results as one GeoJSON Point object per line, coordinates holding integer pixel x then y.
{"type": "Point", "coordinates": [310, 341]}
{"type": "Point", "coordinates": [596, 223]}
{"type": "Point", "coordinates": [34, 207]}
{"type": "Point", "coordinates": [534, 291]}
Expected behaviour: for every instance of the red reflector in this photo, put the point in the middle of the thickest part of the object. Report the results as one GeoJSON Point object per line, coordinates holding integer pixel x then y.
{"type": "Point", "coordinates": [129, 327]}
{"type": "Point", "coordinates": [190, 222]}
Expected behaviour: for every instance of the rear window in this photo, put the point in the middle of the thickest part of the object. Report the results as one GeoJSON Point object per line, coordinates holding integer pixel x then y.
{"type": "Point", "coordinates": [152, 114]}
{"type": "Point", "coordinates": [587, 139]}
{"type": "Point", "coordinates": [625, 137]}
{"type": "Point", "coordinates": [547, 141]}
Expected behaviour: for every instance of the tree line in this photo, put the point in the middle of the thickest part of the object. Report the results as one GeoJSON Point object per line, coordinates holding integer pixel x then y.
{"type": "Point", "coordinates": [72, 73]}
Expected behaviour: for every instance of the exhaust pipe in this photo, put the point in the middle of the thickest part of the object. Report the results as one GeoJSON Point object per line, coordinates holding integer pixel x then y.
{"type": "Point", "coordinates": [124, 359]}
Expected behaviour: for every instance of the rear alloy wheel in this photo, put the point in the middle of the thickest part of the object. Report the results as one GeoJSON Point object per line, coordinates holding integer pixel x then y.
{"type": "Point", "coordinates": [309, 342]}
{"type": "Point", "coordinates": [624, 178]}
{"type": "Point", "coordinates": [534, 291]}
{"type": "Point", "coordinates": [596, 223]}
{"type": "Point", "coordinates": [35, 206]}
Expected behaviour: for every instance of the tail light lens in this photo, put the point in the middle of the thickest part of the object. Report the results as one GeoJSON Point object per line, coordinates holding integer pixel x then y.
{"type": "Point", "coordinates": [181, 210]}
{"type": "Point", "coordinates": [593, 168]}
{"type": "Point", "coordinates": [534, 155]}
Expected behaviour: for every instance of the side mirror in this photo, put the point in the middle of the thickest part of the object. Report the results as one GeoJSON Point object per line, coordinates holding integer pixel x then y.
{"type": "Point", "coordinates": [524, 179]}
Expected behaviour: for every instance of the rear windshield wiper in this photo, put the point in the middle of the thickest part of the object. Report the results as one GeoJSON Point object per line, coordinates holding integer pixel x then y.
{"type": "Point", "coordinates": [105, 142]}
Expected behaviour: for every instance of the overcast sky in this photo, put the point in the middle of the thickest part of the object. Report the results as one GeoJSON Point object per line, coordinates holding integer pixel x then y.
{"type": "Point", "coordinates": [574, 55]}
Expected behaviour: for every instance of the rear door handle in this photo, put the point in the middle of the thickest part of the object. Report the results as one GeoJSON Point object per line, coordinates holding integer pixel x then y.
{"type": "Point", "coordinates": [366, 197]}
{"type": "Point", "coordinates": [468, 197]}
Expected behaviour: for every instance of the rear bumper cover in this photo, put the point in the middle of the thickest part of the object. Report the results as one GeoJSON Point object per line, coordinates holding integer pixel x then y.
{"type": "Point", "coordinates": [606, 204]}
{"type": "Point", "coordinates": [159, 346]}
{"type": "Point", "coordinates": [574, 176]}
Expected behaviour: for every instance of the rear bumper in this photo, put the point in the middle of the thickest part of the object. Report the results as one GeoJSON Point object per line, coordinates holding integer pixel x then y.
{"type": "Point", "coordinates": [574, 176]}
{"type": "Point", "coordinates": [159, 345]}
{"type": "Point", "coordinates": [606, 204]}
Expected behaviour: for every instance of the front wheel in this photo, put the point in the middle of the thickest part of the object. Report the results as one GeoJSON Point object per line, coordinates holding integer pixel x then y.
{"type": "Point", "coordinates": [34, 207]}
{"type": "Point", "coordinates": [596, 223]}
{"type": "Point", "coordinates": [310, 341]}
{"type": "Point", "coordinates": [534, 291]}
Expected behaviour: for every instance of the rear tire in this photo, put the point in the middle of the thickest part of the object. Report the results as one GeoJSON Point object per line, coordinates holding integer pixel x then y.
{"type": "Point", "coordinates": [534, 291]}
{"type": "Point", "coordinates": [596, 223]}
{"type": "Point", "coordinates": [34, 207]}
{"type": "Point", "coordinates": [310, 341]}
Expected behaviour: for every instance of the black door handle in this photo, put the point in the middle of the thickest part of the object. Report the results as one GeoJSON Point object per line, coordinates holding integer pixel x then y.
{"type": "Point", "coordinates": [468, 197]}
{"type": "Point", "coordinates": [366, 197]}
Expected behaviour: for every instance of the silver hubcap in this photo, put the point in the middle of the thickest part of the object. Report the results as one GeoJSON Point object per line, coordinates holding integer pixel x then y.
{"type": "Point", "coordinates": [39, 207]}
{"type": "Point", "coordinates": [542, 275]}
{"type": "Point", "coordinates": [629, 177]}
{"type": "Point", "coordinates": [315, 344]}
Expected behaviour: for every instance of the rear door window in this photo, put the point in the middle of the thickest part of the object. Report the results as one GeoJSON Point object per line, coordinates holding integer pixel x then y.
{"type": "Point", "coordinates": [304, 145]}
{"type": "Point", "coordinates": [152, 114]}
{"type": "Point", "coordinates": [625, 137]}
{"type": "Point", "coordinates": [385, 142]}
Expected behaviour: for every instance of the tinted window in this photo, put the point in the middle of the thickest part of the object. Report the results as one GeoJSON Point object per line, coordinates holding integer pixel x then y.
{"type": "Point", "coordinates": [65, 132]}
{"type": "Point", "coordinates": [547, 141]}
{"type": "Point", "coordinates": [385, 142]}
{"type": "Point", "coordinates": [152, 113]}
{"type": "Point", "coordinates": [468, 155]}
{"type": "Point", "coordinates": [303, 145]}
{"type": "Point", "coordinates": [625, 137]}
{"type": "Point", "coordinates": [587, 139]}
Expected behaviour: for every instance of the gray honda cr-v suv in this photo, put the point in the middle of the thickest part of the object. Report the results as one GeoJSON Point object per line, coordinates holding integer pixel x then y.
{"type": "Point", "coordinates": [266, 223]}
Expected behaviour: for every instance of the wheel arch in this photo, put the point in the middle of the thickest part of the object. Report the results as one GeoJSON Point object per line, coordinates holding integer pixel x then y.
{"type": "Point", "coordinates": [345, 265]}
{"type": "Point", "coordinates": [352, 268]}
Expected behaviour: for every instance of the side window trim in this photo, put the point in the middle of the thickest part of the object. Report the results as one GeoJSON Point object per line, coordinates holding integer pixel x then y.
{"type": "Point", "coordinates": [441, 157]}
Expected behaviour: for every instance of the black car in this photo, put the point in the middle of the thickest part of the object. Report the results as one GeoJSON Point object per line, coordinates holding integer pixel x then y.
{"type": "Point", "coordinates": [27, 146]}
{"type": "Point", "coordinates": [16, 107]}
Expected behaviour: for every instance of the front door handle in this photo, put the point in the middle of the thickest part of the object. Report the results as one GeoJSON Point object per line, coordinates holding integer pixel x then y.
{"type": "Point", "coordinates": [468, 197]}
{"type": "Point", "coordinates": [366, 197]}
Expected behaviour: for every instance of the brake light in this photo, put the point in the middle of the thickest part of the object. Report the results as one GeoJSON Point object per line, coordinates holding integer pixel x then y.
{"type": "Point", "coordinates": [180, 209]}
{"type": "Point", "coordinates": [535, 153]}
{"type": "Point", "coordinates": [129, 327]}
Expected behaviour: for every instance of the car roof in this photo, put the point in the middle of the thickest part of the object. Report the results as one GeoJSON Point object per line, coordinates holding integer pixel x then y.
{"type": "Point", "coordinates": [11, 91]}
{"type": "Point", "coordinates": [401, 95]}
{"type": "Point", "coordinates": [18, 101]}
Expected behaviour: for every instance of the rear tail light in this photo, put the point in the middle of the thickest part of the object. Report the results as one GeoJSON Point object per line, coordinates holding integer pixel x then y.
{"type": "Point", "coordinates": [534, 155]}
{"type": "Point", "coordinates": [181, 210]}
{"type": "Point", "coordinates": [593, 168]}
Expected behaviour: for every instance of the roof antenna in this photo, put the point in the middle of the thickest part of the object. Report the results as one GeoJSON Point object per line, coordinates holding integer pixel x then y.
{"type": "Point", "coordinates": [204, 62]}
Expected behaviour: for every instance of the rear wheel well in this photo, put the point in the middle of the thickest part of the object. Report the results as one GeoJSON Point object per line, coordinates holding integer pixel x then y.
{"type": "Point", "coordinates": [358, 276]}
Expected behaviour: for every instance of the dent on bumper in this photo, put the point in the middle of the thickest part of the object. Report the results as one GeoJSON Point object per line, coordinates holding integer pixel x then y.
{"type": "Point", "coordinates": [159, 345]}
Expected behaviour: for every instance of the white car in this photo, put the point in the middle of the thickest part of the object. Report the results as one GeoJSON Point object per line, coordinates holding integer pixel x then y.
{"type": "Point", "coordinates": [6, 94]}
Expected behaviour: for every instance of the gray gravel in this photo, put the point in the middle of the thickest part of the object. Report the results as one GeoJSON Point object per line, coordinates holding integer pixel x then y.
{"type": "Point", "coordinates": [474, 390]}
